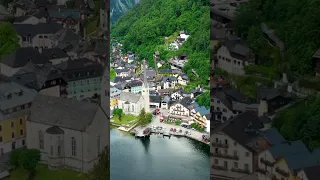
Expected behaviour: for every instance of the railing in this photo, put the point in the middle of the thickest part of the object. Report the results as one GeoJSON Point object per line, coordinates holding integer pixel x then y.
{"type": "Point", "coordinates": [219, 167]}
{"type": "Point", "coordinates": [266, 162]}
{"type": "Point", "coordinates": [215, 144]}
{"type": "Point", "coordinates": [282, 172]}
{"type": "Point", "coordinates": [227, 156]}
{"type": "Point", "coordinates": [262, 171]}
{"type": "Point", "coordinates": [245, 171]}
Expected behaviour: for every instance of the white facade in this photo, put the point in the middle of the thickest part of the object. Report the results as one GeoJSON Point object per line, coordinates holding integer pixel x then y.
{"type": "Point", "coordinates": [176, 96]}
{"type": "Point", "coordinates": [38, 41]}
{"type": "Point", "coordinates": [131, 107]}
{"type": "Point", "coordinates": [32, 20]}
{"type": "Point", "coordinates": [220, 107]}
{"type": "Point", "coordinates": [179, 110]}
{"type": "Point", "coordinates": [182, 81]}
{"type": "Point", "coordinates": [230, 64]}
{"type": "Point", "coordinates": [72, 149]}
{"type": "Point", "coordinates": [229, 154]}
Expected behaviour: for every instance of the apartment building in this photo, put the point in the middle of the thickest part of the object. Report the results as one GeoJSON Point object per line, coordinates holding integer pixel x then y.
{"type": "Point", "coordinates": [15, 102]}
{"type": "Point", "coordinates": [181, 108]}
{"type": "Point", "coordinates": [135, 86]}
{"type": "Point", "coordinates": [83, 77]}
{"type": "Point", "coordinates": [114, 97]}
{"type": "Point", "coordinates": [199, 115]}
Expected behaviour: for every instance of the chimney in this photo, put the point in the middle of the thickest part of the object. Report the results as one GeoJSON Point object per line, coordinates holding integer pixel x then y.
{"type": "Point", "coordinates": [284, 78]}
{"type": "Point", "coordinates": [263, 107]}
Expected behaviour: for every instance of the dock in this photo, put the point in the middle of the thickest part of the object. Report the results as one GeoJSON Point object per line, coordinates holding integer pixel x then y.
{"type": "Point", "coordinates": [143, 133]}
{"type": "Point", "coordinates": [167, 134]}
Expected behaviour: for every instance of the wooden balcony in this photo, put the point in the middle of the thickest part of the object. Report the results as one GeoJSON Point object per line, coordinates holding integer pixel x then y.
{"type": "Point", "coordinates": [226, 156]}
{"type": "Point", "coordinates": [220, 145]}
{"type": "Point", "coordinates": [266, 162]}
{"type": "Point", "coordinates": [282, 172]}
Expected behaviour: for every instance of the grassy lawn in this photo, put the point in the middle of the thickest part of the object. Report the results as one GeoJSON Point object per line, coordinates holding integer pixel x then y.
{"type": "Point", "coordinates": [126, 119]}
{"type": "Point", "coordinates": [43, 173]}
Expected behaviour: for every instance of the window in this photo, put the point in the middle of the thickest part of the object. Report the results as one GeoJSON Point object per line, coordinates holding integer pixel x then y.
{"type": "Point", "coordinates": [59, 151]}
{"type": "Point", "coordinates": [40, 37]}
{"type": "Point", "coordinates": [13, 145]}
{"type": "Point", "coordinates": [98, 144]}
{"type": "Point", "coordinates": [226, 164]}
{"type": "Point", "coordinates": [217, 140]}
{"type": "Point", "coordinates": [235, 165]}
{"type": "Point", "coordinates": [226, 151]}
{"type": "Point", "coordinates": [247, 154]}
{"type": "Point", "coordinates": [216, 161]}
{"type": "Point", "coordinates": [226, 141]}
{"type": "Point", "coordinates": [239, 63]}
{"type": "Point", "coordinates": [12, 124]}
{"type": "Point", "coordinates": [246, 166]}
{"type": "Point", "coordinates": [24, 38]}
{"type": "Point", "coordinates": [21, 132]}
{"type": "Point", "coordinates": [234, 61]}
{"type": "Point", "coordinates": [12, 135]}
{"type": "Point", "coordinates": [218, 102]}
{"type": "Point", "coordinates": [41, 140]}
{"type": "Point", "coordinates": [23, 142]}
{"type": "Point", "coordinates": [0, 138]}
{"type": "Point", "coordinates": [20, 121]}
{"type": "Point", "coordinates": [224, 110]}
{"type": "Point", "coordinates": [132, 108]}
{"type": "Point", "coordinates": [45, 37]}
{"type": "Point", "coordinates": [2, 152]}
{"type": "Point", "coordinates": [73, 146]}
{"type": "Point", "coordinates": [218, 108]}
{"type": "Point", "coordinates": [224, 118]}
{"type": "Point", "coordinates": [0, 128]}
{"type": "Point", "coordinates": [51, 150]}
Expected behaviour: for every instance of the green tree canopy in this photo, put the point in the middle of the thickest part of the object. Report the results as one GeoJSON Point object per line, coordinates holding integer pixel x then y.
{"type": "Point", "coordinates": [101, 170]}
{"type": "Point", "coordinates": [9, 40]}
{"type": "Point", "coordinates": [113, 73]}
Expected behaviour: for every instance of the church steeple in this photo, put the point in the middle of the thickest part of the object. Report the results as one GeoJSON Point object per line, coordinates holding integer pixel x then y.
{"type": "Point", "coordinates": [145, 89]}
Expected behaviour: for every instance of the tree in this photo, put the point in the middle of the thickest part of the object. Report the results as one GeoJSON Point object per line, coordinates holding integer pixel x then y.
{"type": "Point", "coordinates": [148, 117]}
{"type": "Point", "coordinates": [29, 159]}
{"type": "Point", "coordinates": [118, 112]}
{"type": "Point", "coordinates": [113, 74]}
{"type": "Point", "coordinates": [204, 99]}
{"type": "Point", "coordinates": [9, 40]}
{"type": "Point", "coordinates": [101, 170]}
{"type": "Point", "coordinates": [14, 157]}
{"type": "Point", "coordinates": [142, 117]}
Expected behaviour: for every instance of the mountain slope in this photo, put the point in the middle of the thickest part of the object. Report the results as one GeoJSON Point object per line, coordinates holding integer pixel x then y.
{"type": "Point", "coordinates": [144, 27]}
{"type": "Point", "coordinates": [119, 7]}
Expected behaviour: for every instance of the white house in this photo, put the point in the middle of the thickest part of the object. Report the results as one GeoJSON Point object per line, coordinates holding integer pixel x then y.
{"type": "Point", "coordinates": [309, 173]}
{"type": "Point", "coordinates": [181, 108]}
{"type": "Point", "coordinates": [183, 79]}
{"type": "Point", "coordinates": [184, 35]}
{"type": "Point", "coordinates": [165, 102]}
{"type": "Point", "coordinates": [71, 136]}
{"type": "Point", "coordinates": [177, 96]}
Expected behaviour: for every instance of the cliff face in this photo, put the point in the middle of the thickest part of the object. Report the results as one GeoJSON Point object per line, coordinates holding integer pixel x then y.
{"type": "Point", "coordinates": [119, 7]}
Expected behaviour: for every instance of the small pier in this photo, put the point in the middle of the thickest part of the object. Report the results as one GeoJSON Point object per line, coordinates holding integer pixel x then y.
{"type": "Point", "coordinates": [166, 134]}
{"type": "Point", "coordinates": [144, 133]}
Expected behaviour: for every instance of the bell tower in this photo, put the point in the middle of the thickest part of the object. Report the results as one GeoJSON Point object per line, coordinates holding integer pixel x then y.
{"type": "Point", "coordinates": [145, 89]}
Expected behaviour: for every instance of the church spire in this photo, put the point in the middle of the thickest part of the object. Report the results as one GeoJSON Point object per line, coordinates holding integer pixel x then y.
{"type": "Point", "coordinates": [145, 79]}
{"type": "Point", "coordinates": [145, 89]}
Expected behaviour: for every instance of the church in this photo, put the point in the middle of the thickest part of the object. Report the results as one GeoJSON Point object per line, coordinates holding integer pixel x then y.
{"type": "Point", "coordinates": [132, 103]}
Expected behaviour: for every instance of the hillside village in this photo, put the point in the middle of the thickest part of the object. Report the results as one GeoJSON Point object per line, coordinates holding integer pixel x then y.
{"type": "Point", "coordinates": [244, 104]}
{"type": "Point", "coordinates": [166, 87]}
{"type": "Point", "coordinates": [54, 94]}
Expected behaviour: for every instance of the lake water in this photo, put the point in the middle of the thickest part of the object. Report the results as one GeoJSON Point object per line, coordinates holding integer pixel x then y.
{"type": "Point", "coordinates": [157, 158]}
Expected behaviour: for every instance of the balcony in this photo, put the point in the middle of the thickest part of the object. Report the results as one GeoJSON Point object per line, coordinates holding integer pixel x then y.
{"type": "Point", "coordinates": [221, 145]}
{"type": "Point", "coordinates": [226, 156]}
{"type": "Point", "coordinates": [245, 171]}
{"type": "Point", "coordinates": [262, 171]}
{"type": "Point", "coordinates": [223, 168]}
{"type": "Point", "coordinates": [266, 162]}
{"type": "Point", "coordinates": [282, 172]}
{"type": "Point", "coordinates": [274, 177]}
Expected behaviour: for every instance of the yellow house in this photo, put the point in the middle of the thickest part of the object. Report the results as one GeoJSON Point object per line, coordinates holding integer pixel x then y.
{"type": "Point", "coordinates": [15, 101]}
{"type": "Point", "coordinates": [114, 96]}
{"type": "Point", "coordinates": [281, 170]}
{"type": "Point", "coordinates": [113, 102]}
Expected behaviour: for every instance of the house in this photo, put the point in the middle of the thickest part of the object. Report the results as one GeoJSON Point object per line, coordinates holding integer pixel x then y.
{"type": "Point", "coordinates": [177, 95]}
{"type": "Point", "coordinates": [199, 115]}
{"type": "Point", "coordinates": [135, 86]}
{"type": "Point", "coordinates": [29, 19]}
{"type": "Point", "coordinates": [83, 77]}
{"type": "Point", "coordinates": [114, 97]}
{"type": "Point", "coordinates": [120, 80]}
{"type": "Point", "coordinates": [177, 63]}
{"type": "Point", "coordinates": [282, 161]}
{"type": "Point", "coordinates": [183, 79]}
{"type": "Point", "coordinates": [13, 62]}
{"type": "Point", "coordinates": [229, 102]}
{"type": "Point", "coordinates": [70, 18]}
{"type": "Point", "coordinates": [67, 40]}
{"type": "Point", "coordinates": [168, 82]}
{"type": "Point", "coordinates": [37, 35]}
{"type": "Point", "coordinates": [309, 173]}
{"type": "Point", "coordinates": [224, 12]}
{"type": "Point", "coordinates": [21, 7]}
{"type": "Point", "coordinates": [234, 145]}
{"type": "Point", "coordinates": [234, 55]}
{"type": "Point", "coordinates": [155, 101]}
{"type": "Point", "coordinates": [165, 92]}
{"type": "Point", "coordinates": [15, 102]}
{"type": "Point", "coordinates": [46, 79]}
{"type": "Point", "coordinates": [165, 102]}
{"type": "Point", "coordinates": [123, 72]}
{"type": "Point", "coordinates": [180, 108]}
{"type": "Point", "coordinates": [184, 35]}
{"type": "Point", "coordinates": [67, 139]}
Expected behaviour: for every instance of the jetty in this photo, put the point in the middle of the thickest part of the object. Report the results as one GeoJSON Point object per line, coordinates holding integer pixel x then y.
{"type": "Point", "coordinates": [143, 133]}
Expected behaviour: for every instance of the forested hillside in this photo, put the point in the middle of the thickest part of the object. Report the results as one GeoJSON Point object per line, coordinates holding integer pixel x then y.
{"type": "Point", "coordinates": [143, 30]}
{"type": "Point", "coordinates": [119, 7]}
{"type": "Point", "coordinates": [295, 22]}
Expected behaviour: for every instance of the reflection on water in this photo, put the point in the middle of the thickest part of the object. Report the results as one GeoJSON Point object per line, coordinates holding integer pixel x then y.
{"type": "Point", "coordinates": [157, 158]}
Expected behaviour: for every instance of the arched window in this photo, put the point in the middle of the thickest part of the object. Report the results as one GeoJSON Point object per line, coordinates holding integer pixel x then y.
{"type": "Point", "coordinates": [41, 140]}
{"type": "Point", "coordinates": [132, 108]}
{"type": "Point", "coordinates": [51, 150]}
{"type": "Point", "coordinates": [73, 146]}
{"type": "Point", "coordinates": [98, 144]}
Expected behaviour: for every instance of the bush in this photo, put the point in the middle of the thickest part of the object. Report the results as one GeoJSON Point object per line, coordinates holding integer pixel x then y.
{"type": "Point", "coordinates": [14, 157]}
